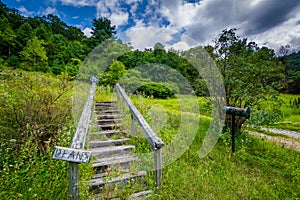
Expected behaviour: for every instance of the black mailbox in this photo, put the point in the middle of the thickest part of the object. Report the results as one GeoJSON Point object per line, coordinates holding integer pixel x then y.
{"type": "Point", "coordinates": [234, 111]}
{"type": "Point", "coordinates": [242, 112]}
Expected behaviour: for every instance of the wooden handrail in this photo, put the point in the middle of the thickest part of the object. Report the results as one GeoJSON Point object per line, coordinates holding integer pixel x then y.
{"type": "Point", "coordinates": [79, 139]}
{"type": "Point", "coordinates": [83, 124]}
{"type": "Point", "coordinates": [153, 139]}
{"type": "Point", "coordinates": [155, 142]}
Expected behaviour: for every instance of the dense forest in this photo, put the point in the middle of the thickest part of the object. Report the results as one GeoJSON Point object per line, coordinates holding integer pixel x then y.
{"type": "Point", "coordinates": [49, 45]}
{"type": "Point", "coordinates": [46, 43]}
{"type": "Point", "coordinates": [293, 63]}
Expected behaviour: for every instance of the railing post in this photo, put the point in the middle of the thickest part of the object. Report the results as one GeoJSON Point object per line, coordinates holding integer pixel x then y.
{"type": "Point", "coordinates": [158, 167]}
{"type": "Point", "coordinates": [73, 181]}
{"type": "Point", "coordinates": [132, 125]}
{"type": "Point", "coordinates": [123, 107]}
{"type": "Point", "coordinates": [79, 140]}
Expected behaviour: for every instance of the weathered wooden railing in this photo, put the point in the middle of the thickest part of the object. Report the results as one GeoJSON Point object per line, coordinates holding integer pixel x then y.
{"type": "Point", "coordinates": [76, 154]}
{"type": "Point", "coordinates": [155, 142]}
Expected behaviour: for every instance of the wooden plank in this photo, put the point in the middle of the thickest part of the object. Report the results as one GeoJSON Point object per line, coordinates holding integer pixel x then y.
{"type": "Point", "coordinates": [79, 138]}
{"type": "Point", "coordinates": [72, 155]}
{"type": "Point", "coordinates": [152, 138]}
{"type": "Point", "coordinates": [117, 142]}
{"type": "Point", "coordinates": [73, 181]}
{"type": "Point", "coordinates": [111, 150]}
{"type": "Point", "coordinates": [124, 178]}
{"type": "Point", "coordinates": [114, 160]}
{"type": "Point", "coordinates": [140, 195]}
{"type": "Point", "coordinates": [158, 167]}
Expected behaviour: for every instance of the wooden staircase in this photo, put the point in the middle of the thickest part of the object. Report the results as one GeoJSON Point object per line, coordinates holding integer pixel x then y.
{"type": "Point", "coordinates": [115, 175]}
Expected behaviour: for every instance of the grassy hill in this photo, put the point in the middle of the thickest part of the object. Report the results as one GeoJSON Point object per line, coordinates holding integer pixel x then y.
{"type": "Point", "coordinates": [31, 102]}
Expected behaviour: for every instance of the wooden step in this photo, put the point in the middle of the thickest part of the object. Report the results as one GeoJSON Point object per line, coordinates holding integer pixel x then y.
{"type": "Point", "coordinates": [112, 170]}
{"type": "Point", "coordinates": [109, 133]}
{"type": "Point", "coordinates": [109, 116]}
{"type": "Point", "coordinates": [105, 127]}
{"type": "Point", "coordinates": [111, 151]}
{"type": "Point", "coordinates": [137, 196]}
{"type": "Point", "coordinates": [109, 126]}
{"type": "Point", "coordinates": [106, 103]}
{"type": "Point", "coordinates": [104, 121]}
{"type": "Point", "coordinates": [140, 195]}
{"type": "Point", "coordinates": [114, 162]}
{"type": "Point", "coordinates": [120, 181]}
{"type": "Point", "coordinates": [104, 143]}
{"type": "Point", "coordinates": [103, 111]}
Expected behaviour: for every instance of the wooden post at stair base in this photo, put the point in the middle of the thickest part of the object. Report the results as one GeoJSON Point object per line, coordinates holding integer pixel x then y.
{"type": "Point", "coordinates": [233, 130]}
{"type": "Point", "coordinates": [74, 157]}
{"type": "Point", "coordinates": [73, 181]}
{"type": "Point", "coordinates": [123, 107]}
{"type": "Point", "coordinates": [76, 154]}
{"type": "Point", "coordinates": [158, 167]}
{"type": "Point", "coordinates": [132, 126]}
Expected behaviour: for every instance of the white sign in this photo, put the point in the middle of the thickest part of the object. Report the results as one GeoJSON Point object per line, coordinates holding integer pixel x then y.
{"type": "Point", "coordinates": [72, 155]}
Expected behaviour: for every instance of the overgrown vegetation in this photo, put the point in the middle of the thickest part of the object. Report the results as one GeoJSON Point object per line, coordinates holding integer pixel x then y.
{"type": "Point", "coordinates": [258, 170]}
{"type": "Point", "coordinates": [35, 109]}
{"type": "Point", "coordinates": [37, 116]}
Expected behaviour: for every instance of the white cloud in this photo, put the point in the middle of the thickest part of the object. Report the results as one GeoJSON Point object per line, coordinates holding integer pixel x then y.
{"type": "Point", "coordinates": [87, 32]}
{"type": "Point", "coordinates": [184, 43]}
{"type": "Point", "coordinates": [119, 18]}
{"type": "Point", "coordinates": [259, 20]}
{"type": "Point", "coordinates": [50, 10]}
{"type": "Point", "coordinates": [181, 15]}
{"type": "Point", "coordinates": [132, 1]}
{"type": "Point", "coordinates": [113, 11]}
{"type": "Point", "coordinates": [25, 12]}
{"type": "Point", "coordinates": [79, 3]}
{"type": "Point", "coordinates": [263, 21]}
{"type": "Point", "coordinates": [181, 46]}
{"type": "Point", "coordinates": [286, 33]}
{"type": "Point", "coordinates": [147, 37]}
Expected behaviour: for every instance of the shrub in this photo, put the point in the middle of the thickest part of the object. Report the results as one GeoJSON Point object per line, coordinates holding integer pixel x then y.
{"type": "Point", "coordinates": [155, 90]}
{"type": "Point", "coordinates": [34, 108]}
{"type": "Point", "coordinates": [260, 117]}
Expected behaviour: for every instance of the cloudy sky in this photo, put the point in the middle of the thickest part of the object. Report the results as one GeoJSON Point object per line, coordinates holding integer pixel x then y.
{"type": "Point", "coordinates": [180, 24]}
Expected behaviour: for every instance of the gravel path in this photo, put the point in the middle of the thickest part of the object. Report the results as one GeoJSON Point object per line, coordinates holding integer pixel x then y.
{"type": "Point", "coordinates": [283, 132]}
{"type": "Point", "coordinates": [286, 142]}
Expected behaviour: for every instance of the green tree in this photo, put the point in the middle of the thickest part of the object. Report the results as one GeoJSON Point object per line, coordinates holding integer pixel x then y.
{"type": "Point", "coordinates": [24, 33]}
{"type": "Point", "coordinates": [34, 56]}
{"type": "Point", "coordinates": [74, 34]}
{"type": "Point", "coordinates": [102, 30]}
{"type": "Point", "coordinates": [43, 32]}
{"type": "Point", "coordinates": [57, 26]}
{"type": "Point", "coordinates": [7, 38]}
{"type": "Point", "coordinates": [283, 53]}
{"type": "Point", "coordinates": [250, 73]}
{"type": "Point", "coordinates": [58, 53]}
{"type": "Point", "coordinates": [115, 71]}
{"type": "Point", "coordinates": [294, 73]}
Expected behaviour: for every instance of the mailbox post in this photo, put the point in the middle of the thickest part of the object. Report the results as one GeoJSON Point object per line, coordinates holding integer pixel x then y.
{"type": "Point", "coordinates": [233, 111]}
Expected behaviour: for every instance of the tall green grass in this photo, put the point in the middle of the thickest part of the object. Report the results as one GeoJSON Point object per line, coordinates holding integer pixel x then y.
{"type": "Point", "coordinates": [290, 108]}
{"type": "Point", "coordinates": [258, 170]}
{"type": "Point", "coordinates": [35, 116]}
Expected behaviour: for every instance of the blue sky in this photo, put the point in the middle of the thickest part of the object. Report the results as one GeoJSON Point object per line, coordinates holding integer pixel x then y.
{"type": "Point", "coordinates": [179, 24]}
